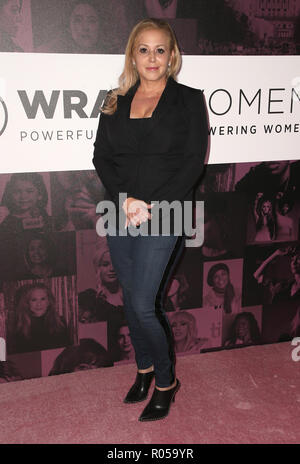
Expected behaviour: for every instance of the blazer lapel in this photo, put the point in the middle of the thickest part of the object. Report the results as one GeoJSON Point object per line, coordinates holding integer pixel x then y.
{"type": "Point", "coordinates": [166, 101]}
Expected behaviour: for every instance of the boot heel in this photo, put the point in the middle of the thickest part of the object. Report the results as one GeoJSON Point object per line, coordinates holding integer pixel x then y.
{"type": "Point", "coordinates": [160, 403]}
{"type": "Point", "coordinates": [177, 388]}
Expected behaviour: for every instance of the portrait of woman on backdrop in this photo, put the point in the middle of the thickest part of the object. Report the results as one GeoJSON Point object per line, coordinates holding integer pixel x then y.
{"type": "Point", "coordinates": [106, 300]}
{"type": "Point", "coordinates": [185, 333]}
{"type": "Point", "coordinates": [151, 145]}
{"type": "Point", "coordinates": [120, 347]}
{"type": "Point", "coordinates": [222, 294]}
{"type": "Point", "coordinates": [39, 256]}
{"type": "Point", "coordinates": [84, 26]}
{"type": "Point", "coordinates": [37, 323]}
{"type": "Point", "coordinates": [35, 255]}
{"type": "Point", "coordinates": [243, 331]}
{"type": "Point", "coordinates": [272, 221]}
{"type": "Point", "coordinates": [177, 293]}
{"type": "Point", "coordinates": [26, 198]}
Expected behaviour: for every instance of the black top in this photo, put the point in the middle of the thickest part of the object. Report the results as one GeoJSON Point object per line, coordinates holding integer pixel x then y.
{"type": "Point", "coordinates": [167, 162]}
{"type": "Point", "coordinates": [140, 126]}
{"type": "Point", "coordinates": [142, 121]}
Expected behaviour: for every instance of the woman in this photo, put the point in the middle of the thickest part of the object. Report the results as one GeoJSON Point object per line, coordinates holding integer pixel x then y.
{"type": "Point", "coordinates": [265, 219]}
{"type": "Point", "coordinates": [150, 145]}
{"type": "Point", "coordinates": [222, 294]}
{"type": "Point", "coordinates": [38, 325]}
{"type": "Point", "coordinates": [177, 293]}
{"type": "Point", "coordinates": [94, 26]}
{"type": "Point", "coordinates": [39, 256]}
{"type": "Point", "coordinates": [120, 343]}
{"type": "Point", "coordinates": [81, 28]}
{"type": "Point", "coordinates": [185, 333]}
{"type": "Point", "coordinates": [106, 302]}
{"type": "Point", "coordinates": [124, 342]}
{"type": "Point", "coordinates": [25, 197]}
{"type": "Point", "coordinates": [108, 289]}
{"type": "Point", "coordinates": [244, 331]}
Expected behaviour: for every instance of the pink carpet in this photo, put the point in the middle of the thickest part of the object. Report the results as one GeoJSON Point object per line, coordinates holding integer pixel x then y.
{"type": "Point", "coordinates": [248, 395]}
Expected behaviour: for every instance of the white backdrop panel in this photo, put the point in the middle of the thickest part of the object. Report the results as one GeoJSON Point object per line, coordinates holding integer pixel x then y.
{"type": "Point", "coordinates": [65, 142]}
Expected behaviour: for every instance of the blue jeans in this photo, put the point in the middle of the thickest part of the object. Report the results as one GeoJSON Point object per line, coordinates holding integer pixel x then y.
{"type": "Point", "coordinates": [144, 265]}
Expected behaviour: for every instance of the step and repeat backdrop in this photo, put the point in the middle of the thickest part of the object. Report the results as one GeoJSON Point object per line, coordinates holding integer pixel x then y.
{"type": "Point", "coordinates": [61, 305]}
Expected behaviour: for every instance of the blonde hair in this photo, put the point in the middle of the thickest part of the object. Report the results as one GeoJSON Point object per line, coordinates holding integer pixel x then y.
{"type": "Point", "coordinates": [130, 75]}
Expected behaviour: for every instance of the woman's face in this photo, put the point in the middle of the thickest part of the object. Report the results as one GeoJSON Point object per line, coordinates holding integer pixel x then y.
{"type": "Point", "coordinates": [242, 328]}
{"type": "Point", "coordinates": [38, 302]}
{"type": "Point", "coordinates": [105, 271]}
{"type": "Point", "coordinates": [266, 208]}
{"type": "Point", "coordinates": [37, 251]}
{"type": "Point", "coordinates": [10, 17]}
{"type": "Point", "coordinates": [152, 54]}
{"type": "Point", "coordinates": [25, 196]}
{"type": "Point", "coordinates": [180, 329]}
{"type": "Point", "coordinates": [124, 339]}
{"type": "Point", "coordinates": [84, 26]}
{"type": "Point", "coordinates": [221, 279]}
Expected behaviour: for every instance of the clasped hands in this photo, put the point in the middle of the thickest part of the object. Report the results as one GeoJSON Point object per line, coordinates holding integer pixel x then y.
{"type": "Point", "coordinates": [136, 211]}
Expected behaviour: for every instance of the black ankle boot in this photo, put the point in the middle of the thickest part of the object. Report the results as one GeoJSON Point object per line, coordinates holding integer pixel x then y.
{"type": "Point", "coordinates": [139, 390]}
{"type": "Point", "coordinates": [159, 405]}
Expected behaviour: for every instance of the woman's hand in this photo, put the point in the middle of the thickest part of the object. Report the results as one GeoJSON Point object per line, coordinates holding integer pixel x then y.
{"type": "Point", "coordinates": [136, 211]}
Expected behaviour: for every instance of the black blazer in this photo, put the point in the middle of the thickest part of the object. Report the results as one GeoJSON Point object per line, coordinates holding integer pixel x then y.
{"type": "Point", "coordinates": [168, 161]}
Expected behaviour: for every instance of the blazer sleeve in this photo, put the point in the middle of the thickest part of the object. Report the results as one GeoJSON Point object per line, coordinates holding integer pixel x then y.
{"type": "Point", "coordinates": [195, 150]}
{"type": "Point", "coordinates": [103, 162]}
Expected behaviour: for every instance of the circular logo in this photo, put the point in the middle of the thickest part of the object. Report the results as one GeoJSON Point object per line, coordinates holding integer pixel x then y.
{"type": "Point", "coordinates": [3, 116]}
